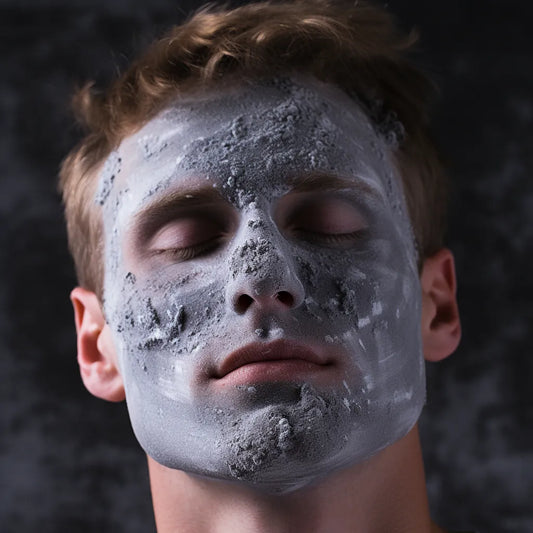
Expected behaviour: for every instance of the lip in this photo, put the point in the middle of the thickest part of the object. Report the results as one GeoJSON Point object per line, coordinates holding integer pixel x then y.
{"type": "Point", "coordinates": [273, 360]}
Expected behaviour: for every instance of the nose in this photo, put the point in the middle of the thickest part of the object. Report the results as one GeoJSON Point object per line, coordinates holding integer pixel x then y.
{"type": "Point", "coordinates": [263, 276]}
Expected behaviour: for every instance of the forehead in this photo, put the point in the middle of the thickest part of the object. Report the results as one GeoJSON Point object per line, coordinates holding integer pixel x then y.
{"type": "Point", "coordinates": [248, 140]}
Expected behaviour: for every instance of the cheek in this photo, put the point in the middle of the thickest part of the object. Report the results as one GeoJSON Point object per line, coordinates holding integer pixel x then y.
{"type": "Point", "coordinates": [357, 284]}
{"type": "Point", "coordinates": [368, 298]}
{"type": "Point", "coordinates": [162, 328]}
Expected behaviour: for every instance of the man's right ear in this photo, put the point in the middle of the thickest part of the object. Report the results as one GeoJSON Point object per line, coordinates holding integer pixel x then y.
{"type": "Point", "coordinates": [96, 352]}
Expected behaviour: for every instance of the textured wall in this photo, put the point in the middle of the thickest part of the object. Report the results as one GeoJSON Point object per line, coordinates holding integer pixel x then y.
{"type": "Point", "coordinates": [68, 462]}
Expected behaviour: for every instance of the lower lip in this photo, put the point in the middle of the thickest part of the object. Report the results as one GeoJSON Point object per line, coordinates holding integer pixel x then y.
{"type": "Point", "coordinates": [271, 371]}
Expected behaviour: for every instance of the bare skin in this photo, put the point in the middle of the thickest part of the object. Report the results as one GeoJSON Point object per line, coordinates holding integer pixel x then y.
{"type": "Point", "coordinates": [386, 494]}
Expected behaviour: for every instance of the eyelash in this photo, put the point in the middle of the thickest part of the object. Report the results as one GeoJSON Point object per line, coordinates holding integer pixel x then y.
{"type": "Point", "coordinates": [334, 238]}
{"type": "Point", "coordinates": [190, 252]}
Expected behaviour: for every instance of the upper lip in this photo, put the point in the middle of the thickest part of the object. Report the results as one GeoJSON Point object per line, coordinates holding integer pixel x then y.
{"type": "Point", "coordinates": [272, 351]}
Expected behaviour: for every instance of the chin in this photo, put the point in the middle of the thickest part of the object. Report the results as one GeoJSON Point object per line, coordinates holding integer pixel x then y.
{"type": "Point", "coordinates": [288, 446]}
{"type": "Point", "coordinates": [277, 439]}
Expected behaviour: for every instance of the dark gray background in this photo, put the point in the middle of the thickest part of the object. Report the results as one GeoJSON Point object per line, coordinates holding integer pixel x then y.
{"type": "Point", "coordinates": [69, 463]}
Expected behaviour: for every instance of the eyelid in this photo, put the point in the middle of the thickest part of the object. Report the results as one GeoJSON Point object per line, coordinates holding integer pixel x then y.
{"type": "Point", "coordinates": [187, 232]}
{"type": "Point", "coordinates": [205, 202]}
{"type": "Point", "coordinates": [327, 214]}
{"type": "Point", "coordinates": [149, 224]}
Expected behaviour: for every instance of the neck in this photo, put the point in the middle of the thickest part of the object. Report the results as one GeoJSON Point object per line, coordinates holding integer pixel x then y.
{"type": "Point", "coordinates": [386, 494]}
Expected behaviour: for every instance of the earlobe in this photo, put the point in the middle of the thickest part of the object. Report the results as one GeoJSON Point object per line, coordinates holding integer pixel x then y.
{"type": "Point", "coordinates": [96, 352]}
{"type": "Point", "coordinates": [441, 327]}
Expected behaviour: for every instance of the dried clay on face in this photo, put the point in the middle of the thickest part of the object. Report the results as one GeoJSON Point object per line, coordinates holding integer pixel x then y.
{"type": "Point", "coordinates": [176, 321]}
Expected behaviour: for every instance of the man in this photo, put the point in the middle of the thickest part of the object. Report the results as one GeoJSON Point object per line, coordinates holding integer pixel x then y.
{"type": "Point", "coordinates": [256, 218]}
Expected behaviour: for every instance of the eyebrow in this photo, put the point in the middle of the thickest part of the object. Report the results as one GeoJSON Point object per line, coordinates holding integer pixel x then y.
{"type": "Point", "coordinates": [322, 181]}
{"type": "Point", "coordinates": [163, 209]}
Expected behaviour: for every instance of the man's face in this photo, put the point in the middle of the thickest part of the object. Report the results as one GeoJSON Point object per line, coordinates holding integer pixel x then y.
{"type": "Point", "coordinates": [261, 285]}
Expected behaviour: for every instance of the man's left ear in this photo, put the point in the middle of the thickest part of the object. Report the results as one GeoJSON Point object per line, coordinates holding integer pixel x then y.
{"type": "Point", "coordinates": [441, 327]}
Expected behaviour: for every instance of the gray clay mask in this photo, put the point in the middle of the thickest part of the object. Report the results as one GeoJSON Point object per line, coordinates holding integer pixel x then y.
{"type": "Point", "coordinates": [261, 285]}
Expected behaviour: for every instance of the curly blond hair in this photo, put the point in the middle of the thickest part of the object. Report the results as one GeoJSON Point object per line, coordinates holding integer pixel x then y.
{"type": "Point", "coordinates": [355, 46]}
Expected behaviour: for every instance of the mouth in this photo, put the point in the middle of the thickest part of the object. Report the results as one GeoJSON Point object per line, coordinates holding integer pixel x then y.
{"type": "Point", "coordinates": [275, 361]}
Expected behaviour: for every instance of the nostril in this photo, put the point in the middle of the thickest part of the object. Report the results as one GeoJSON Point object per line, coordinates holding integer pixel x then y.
{"type": "Point", "coordinates": [285, 298]}
{"type": "Point", "coordinates": [243, 302]}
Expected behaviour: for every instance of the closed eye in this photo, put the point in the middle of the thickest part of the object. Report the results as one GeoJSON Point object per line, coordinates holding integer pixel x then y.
{"type": "Point", "coordinates": [186, 238]}
{"type": "Point", "coordinates": [329, 220]}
